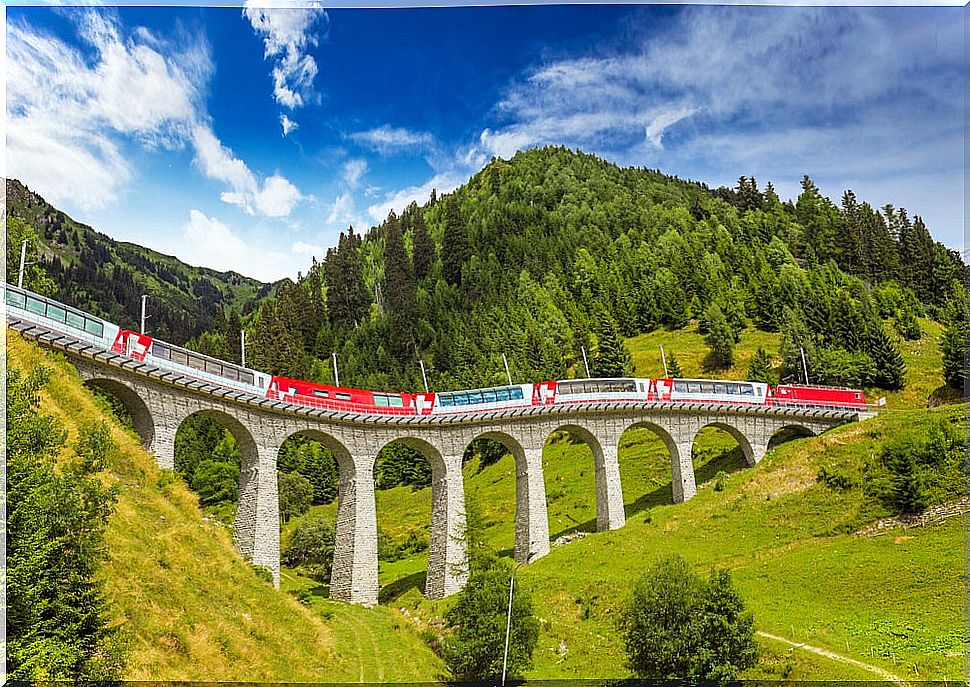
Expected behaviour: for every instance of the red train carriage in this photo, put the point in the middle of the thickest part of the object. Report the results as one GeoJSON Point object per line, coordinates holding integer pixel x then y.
{"type": "Point", "coordinates": [818, 396]}
{"type": "Point", "coordinates": [340, 398]}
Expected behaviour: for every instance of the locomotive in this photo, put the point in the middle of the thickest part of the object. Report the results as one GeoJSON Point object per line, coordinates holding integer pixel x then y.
{"type": "Point", "coordinates": [58, 317]}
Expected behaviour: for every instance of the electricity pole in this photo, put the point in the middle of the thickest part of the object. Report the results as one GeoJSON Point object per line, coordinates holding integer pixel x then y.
{"type": "Point", "coordinates": [424, 375]}
{"type": "Point", "coordinates": [585, 361]}
{"type": "Point", "coordinates": [242, 347]}
{"type": "Point", "coordinates": [508, 622]}
{"type": "Point", "coordinates": [664, 358]}
{"type": "Point", "coordinates": [23, 264]}
{"type": "Point", "coordinates": [804, 366]}
{"type": "Point", "coordinates": [336, 375]}
{"type": "Point", "coordinates": [144, 300]}
{"type": "Point", "coordinates": [507, 373]}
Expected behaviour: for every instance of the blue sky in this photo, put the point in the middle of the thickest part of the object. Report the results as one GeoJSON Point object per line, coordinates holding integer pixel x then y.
{"type": "Point", "coordinates": [247, 137]}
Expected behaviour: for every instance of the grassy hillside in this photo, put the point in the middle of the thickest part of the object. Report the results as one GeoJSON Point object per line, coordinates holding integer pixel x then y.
{"type": "Point", "coordinates": [190, 607]}
{"type": "Point", "coordinates": [891, 601]}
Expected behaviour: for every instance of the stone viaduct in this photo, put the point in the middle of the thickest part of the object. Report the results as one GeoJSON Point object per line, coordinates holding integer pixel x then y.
{"type": "Point", "coordinates": [159, 401]}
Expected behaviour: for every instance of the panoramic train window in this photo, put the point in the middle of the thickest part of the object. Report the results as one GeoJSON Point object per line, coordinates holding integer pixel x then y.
{"type": "Point", "coordinates": [342, 396]}
{"type": "Point", "coordinates": [517, 394]}
{"type": "Point", "coordinates": [680, 387]}
{"type": "Point", "coordinates": [17, 300]}
{"type": "Point", "coordinates": [75, 320]}
{"type": "Point", "coordinates": [56, 313]}
{"type": "Point", "coordinates": [747, 390]}
{"type": "Point", "coordinates": [161, 351]}
{"type": "Point", "coordinates": [95, 327]}
{"type": "Point", "coordinates": [36, 306]}
{"type": "Point", "coordinates": [694, 387]}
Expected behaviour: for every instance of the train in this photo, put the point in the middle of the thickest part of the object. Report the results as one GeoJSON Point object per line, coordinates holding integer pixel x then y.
{"type": "Point", "coordinates": [51, 314]}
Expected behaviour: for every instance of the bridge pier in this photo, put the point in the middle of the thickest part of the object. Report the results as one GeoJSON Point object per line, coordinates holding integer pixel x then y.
{"type": "Point", "coordinates": [447, 557]}
{"type": "Point", "coordinates": [682, 470]}
{"type": "Point", "coordinates": [256, 531]}
{"type": "Point", "coordinates": [531, 516]}
{"type": "Point", "coordinates": [609, 489]}
{"type": "Point", "coordinates": [354, 575]}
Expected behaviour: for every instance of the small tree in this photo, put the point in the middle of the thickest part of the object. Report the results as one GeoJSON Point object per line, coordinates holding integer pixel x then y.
{"type": "Point", "coordinates": [955, 341]}
{"type": "Point", "coordinates": [474, 651]}
{"type": "Point", "coordinates": [679, 626]}
{"type": "Point", "coordinates": [673, 367]}
{"type": "Point", "coordinates": [611, 359]}
{"type": "Point", "coordinates": [759, 369]}
{"type": "Point", "coordinates": [296, 495]}
{"type": "Point", "coordinates": [720, 339]}
{"type": "Point", "coordinates": [311, 548]}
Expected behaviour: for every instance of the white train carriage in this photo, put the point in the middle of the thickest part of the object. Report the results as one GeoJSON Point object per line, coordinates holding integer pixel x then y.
{"type": "Point", "coordinates": [492, 398]}
{"type": "Point", "coordinates": [22, 304]}
{"type": "Point", "coordinates": [711, 391]}
{"type": "Point", "coordinates": [586, 390]}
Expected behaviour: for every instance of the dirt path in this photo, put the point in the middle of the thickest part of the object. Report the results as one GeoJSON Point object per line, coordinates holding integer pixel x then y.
{"type": "Point", "coordinates": [884, 674]}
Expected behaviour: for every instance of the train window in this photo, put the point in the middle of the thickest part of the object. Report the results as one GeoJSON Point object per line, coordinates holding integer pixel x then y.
{"type": "Point", "coordinates": [680, 387]}
{"type": "Point", "coordinates": [17, 300]}
{"type": "Point", "coordinates": [475, 397]}
{"type": "Point", "coordinates": [161, 351]}
{"type": "Point", "coordinates": [249, 378]}
{"type": "Point", "coordinates": [502, 395]}
{"type": "Point", "coordinates": [489, 396]}
{"type": "Point", "coordinates": [213, 367]}
{"type": "Point", "coordinates": [707, 388]}
{"type": "Point", "coordinates": [179, 357]}
{"type": "Point", "coordinates": [95, 327]}
{"type": "Point", "coordinates": [75, 320]}
{"type": "Point", "coordinates": [56, 313]}
{"type": "Point", "coordinates": [36, 306]}
{"type": "Point", "coordinates": [517, 394]}
{"type": "Point", "coordinates": [380, 400]}
{"type": "Point", "coordinates": [720, 388]}
{"type": "Point", "coordinates": [694, 387]}
{"type": "Point", "coordinates": [320, 394]}
{"type": "Point", "coordinates": [197, 362]}
{"type": "Point", "coordinates": [342, 396]}
{"type": "Point", "coordinates": [445, 400]}
{"type": "Point", "coordinates": [395, 401]}
{"type": "Point", "coordinates": [747, 390]}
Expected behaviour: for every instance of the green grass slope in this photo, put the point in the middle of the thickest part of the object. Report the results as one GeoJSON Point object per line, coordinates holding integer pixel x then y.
{"type": "Point", "coordinates": [891, 602]}
{"type": "Point", "coordinates": [190, 607]}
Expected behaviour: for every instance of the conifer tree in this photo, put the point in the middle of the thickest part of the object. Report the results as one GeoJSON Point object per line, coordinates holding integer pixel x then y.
{"type": "Point", "coordinates": [423, 245]}
{"type": "Point", "coordinates": [347, 296]}
{"type": "Point", "coordinates": [890, 366]}
{"type": "Point", "coordinates": [612, 359]}
{"type": "Point", "coordinates": [759, 369]}
{"type": "Point", "coordinates": [454, 244]}
{"type": "Point", "coordinates": [399, 288]}
{"type": "Point", "coordinates": [720, 339]}
{"type": "Point", "coordinates": [673, 367]}
{"type": "Point", "coordinates": [956, 342]}
{"type": "Point", "coordinates": [795, 337]}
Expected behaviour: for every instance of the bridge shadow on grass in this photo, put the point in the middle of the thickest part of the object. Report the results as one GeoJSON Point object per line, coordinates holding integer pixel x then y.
{"type": "Point", "coordinates": [727, 462]}
{"type": "Point", "coordinates": [394, 590]}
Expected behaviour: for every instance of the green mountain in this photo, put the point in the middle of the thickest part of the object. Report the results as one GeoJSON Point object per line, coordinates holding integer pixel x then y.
{"type": "Point", "coordinates": [100, 275]}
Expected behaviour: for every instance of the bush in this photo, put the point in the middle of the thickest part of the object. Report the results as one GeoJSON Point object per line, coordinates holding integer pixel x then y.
{"type": "Point", "coordinates": [474, 650]}
{"type": "Point", "coordinates": [311, 547]}
{"type": "Point", "coordinates": [296, 495]}
{"type": "Point", "coordinates": [676, 625]}
{"type": "Point", "coordinates": [216, 482]}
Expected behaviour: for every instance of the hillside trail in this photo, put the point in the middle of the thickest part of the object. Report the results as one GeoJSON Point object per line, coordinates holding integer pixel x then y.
{"type": "Point", "coordinates": [884, 674]}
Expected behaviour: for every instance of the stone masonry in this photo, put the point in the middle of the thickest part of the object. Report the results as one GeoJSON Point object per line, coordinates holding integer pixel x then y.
{"type": "Point", "coordinates": [160, 401]}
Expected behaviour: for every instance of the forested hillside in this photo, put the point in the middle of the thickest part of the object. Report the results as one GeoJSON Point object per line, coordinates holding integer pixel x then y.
{"type": "Point", "coordinates": [555, 251]}
{"type": "Point", "coordinates": [89, 270]}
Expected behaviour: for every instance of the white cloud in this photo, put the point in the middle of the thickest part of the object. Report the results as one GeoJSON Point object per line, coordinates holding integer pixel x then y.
{"type": "Point", "coordinates": [353, 171]}
{"type": "Point", "coordinates": [288, 125]}
{"type": "Point", "coordinates": [387, 139]}
{"type": "Point", "coordinates": [287, 32]}
{"type": "Point", "coordinates": [65, 107]}
{"type": "Point", "coordinates": [301, 248]}
{"type": "Point", "coordinates": [208, 241]}
{"type": "Point", "coordinates": [277, 197]}
{"type": "Point", "coordinates": [665, 120]}
{"type": "Point", "coordinates": [398, 200]}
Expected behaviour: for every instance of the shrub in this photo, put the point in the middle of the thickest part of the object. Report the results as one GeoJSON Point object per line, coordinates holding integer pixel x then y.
{"type": "Point", "coordinates": [216, 482]}
{"type": "Point", "coordinates": [474, 650]}
{"type": "Point", "coordinates": [311, 547]}
{"type": "Point", "coordinates": [676, 625]}
{"type": "Point", "coordinates": [296, 495]}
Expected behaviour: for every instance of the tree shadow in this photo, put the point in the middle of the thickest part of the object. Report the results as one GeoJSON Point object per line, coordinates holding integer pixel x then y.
{"type": "Point", "coordinates": [727, 461]}
{"type": "Point", "coordinates": [401, 586]}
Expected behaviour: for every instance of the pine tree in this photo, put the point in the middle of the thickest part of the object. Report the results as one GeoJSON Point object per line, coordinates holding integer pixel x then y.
{"type": "Point", "coordinates": [956, 342]}
{"type": "Point", "coordinates": [423, 246]}
{"type": "Point", "coordinates": [720, 339]}
{"type": "Point", "coordinates": [759, 369]}
{"type": "Point", "coordinates": [454, 244]}
{"type": "Point", "coordinates": [399, 288]}
{"type": "Point", "coordinates": [347, 296]}
{"type": "Point", "coordinates": [612, 359]}
{"type": "Point", "coordinates": [795, 337]}
{"type": "Point", "coordinates": [673, 367]}
{"type": "Point", "coordinates": [890, 366]}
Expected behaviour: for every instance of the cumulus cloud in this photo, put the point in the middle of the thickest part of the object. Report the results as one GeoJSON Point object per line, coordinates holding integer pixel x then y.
{"type": "Point", "coordinates": [398, 200]}
{"type": "Point", "coordinates": [387, 139]}
{"type": "Point", "coordinates": [208, 241]}
{"type": "Point", "coordinates": [287, 30]}
{"type": "Point", "coordinates": [301, 248]}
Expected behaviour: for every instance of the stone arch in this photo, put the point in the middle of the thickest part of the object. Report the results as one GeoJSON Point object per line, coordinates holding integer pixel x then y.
{"type": "Point", "coordinates": [748, 451]}
{"type": "Point", "coordinates": [246, 522]}
{"type": "Point", "coordinates": [531, 517]}
{"type": "Point", "coordinates": [609, 492]}
{"type": "Point", "coordinates": [788, 432]}
{"type": "Point", "coordinates": [447, 562]}
{"type": "Point", "coordinates": [353, 576]}
{"type": "Point", "coordinates": [137, 409]}
{"type": "Point", "coordinates": [678, 445]}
